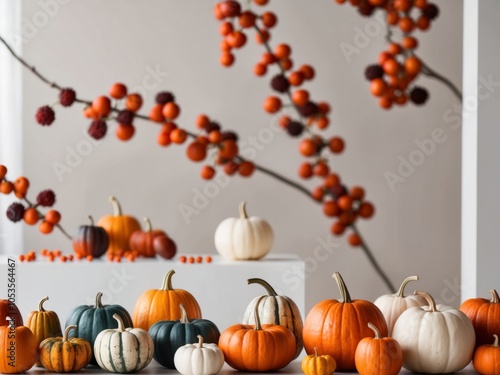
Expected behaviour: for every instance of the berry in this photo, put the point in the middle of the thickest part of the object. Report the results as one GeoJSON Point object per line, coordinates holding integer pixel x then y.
{"type": "Point", "coordinates": [431, 11]}
{"type": "Point", "coordinates": [280, 83]}
{"type": "Point", "coordinates": [31, 216]}
{"type": "Point", "coordinates": [67, 97]}
{"type": "Point", "coordinates": [98, 129]}
{"type": "Point", "coordinates": [226, 59]}
{"type": "Point", "coordinates": [102, 106]}
{"type": "Point", "coordinates": [124, 132]}
{"type": "Point", "coordinates": [338, 228]}
{"type": "Point", "coordinates": [336, 145]}
{"type": "Point", "coordinates": [178, 136]}
{"type": "Point", "coordinates": [231, 167]}
{"type": "Point", "coordinates": [305, 170]}
{"type": "Point", "coordinates": [308, 147]}
{"type": "Point", "coordinates": [269, 19]}
{"type": "Point", "coordinates": [247, 19]}
{"type": "Point", "coordinates": [164, 97]}
{"type": "Point", "coordinates": [53, 217]}
{"type": "Point", "coordinates": [46, 198]}
{"type": "Point", "coordinates": [282, 51]}
{"type": "Point", "coordinates": [295, 128]}
{"type": "Point", "coordinates": [207, 172]}
{"type": "Point", "coordinates": [45, 115]}
{"type": "Point", "coordinates": [15, 212]}
{"type": "Point", "coordinates": [118, 91]}
{"type": "Point", "coordinates": [366, 210]}
{"type": "Point", "coordinates": [133, 102]}
{"type": "Point", "coordinates": [171, 110]}
{"type": "Point", "coordinates": [300, 97]}
{"type": "Point", "coordinates": [45, 227]}
{"type": "Point", "coordinates": [307, 71]}
{"type": "Point", "coordinates": [309, 109]}
{"type": "Point", "coordinates": [125, 117]}
{"type": "Point", "coordinates": [338, 191]}
{"type": "Point", "coordinates": [196, 151]}
{"type": "Point", "coordinates": [3, 171]}
{"type": "Point", "coordinates": [272, 104]}
{"type": "Point", "coordinates": [419, 95]}
{"type": "Point", "coordinates": [228, 149]}
{"type": "Point", "coordinates": [246, 168]}
{"type": "Point", "coordinates": [212, 126]}
{"type": "Point", "coordinates": [202, 121]}
{"type": "Point", "coordinates": [354, 239]}
{"type": "Point", "coordinates": [6, 187]}
{"type": "Point", "coordinates": [366, 9]}
{"type": "Point", "coordinates": [21, 185]}
{"type": "Point", "coordinates": [230, 8]}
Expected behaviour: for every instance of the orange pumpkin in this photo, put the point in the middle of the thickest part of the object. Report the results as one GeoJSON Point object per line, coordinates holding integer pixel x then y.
{"type": "Point", "coordinates": [257, 348]}
{"type": "Point", "coordinates": [119, 228]}
{"type": "Point", "coordinates": [9, 309]}
{"type": "Point", "coordinates": [18, 347]}
{"type": "Point", "coordinates": [336, 327]}
{"type": "Point", "coordinates": [379, 355]}
{"type": "Point", "coordinates": [485, 316]}
{"type": "Point", "coordinates": [163, 304]}
{"type": "Point", "coordinates": [143, 241]}
{"type": "Point", "coordinates": [487, 358]}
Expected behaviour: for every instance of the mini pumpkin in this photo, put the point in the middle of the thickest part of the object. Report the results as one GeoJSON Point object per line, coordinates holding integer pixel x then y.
{"type": "Point", "coordinates": [199, 359]}
{"type": "Point", "coordinates": [143, 241]}
{"type": "Point", "coordinates": [245, 238]}
{"type": "Point", "coordinates": [487, 358]}
{"type": "Point", "coordinates": [9, 309]}
{"type": "Point", "coordinates": [90, 240]}
{"type": "Point", "coordinates": [18, 347]}
{"type": "Point", "coordinates": [314, 364]}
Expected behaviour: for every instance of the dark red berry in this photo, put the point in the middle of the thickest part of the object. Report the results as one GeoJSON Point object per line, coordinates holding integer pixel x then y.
{"type": "Point", "coordinates": [295, 128]}
{"type": "Point", "coordinates": [431, 11]}
{"type": "Point", "coordinates": [338, 191]}
{"type": "Point", "coordinates": [125, 117]}
{"type": "Point", "coordinates": [45, 115]}
{"type": "Point", "coordinates": [164, 97]}
{"type": "Point", "coordinates": [67, 97]}
{"type": "Point", "coordinates": [374, 71]}
{"type": "Point", "coordinates": [46, 198]}
{"type": "Point", "coordinates": [366, 9]}
{"type": "Point", "coordinates": [308, 109]}
{"type": "Point", "coordinates": [15, 212]}
{"type": "Point", "coordinates": [229, 135]}
{"type": "Point", "coordinates": [98, 129]}
{"type": "Point", "coordinates": [419, 95]}
{"type": "Point", "coordinates": [212, 126]}
{"type": "Point", "coordinates": [230, 8]}
{"type": "Point", "coordinates": [280, 83]}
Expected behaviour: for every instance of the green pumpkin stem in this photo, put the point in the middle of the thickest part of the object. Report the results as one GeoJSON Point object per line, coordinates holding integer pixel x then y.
{"type": "Point", "coordinates": [66, 332]}
{"type": "Point", "coordinates": [270, 290]}
{"type": "Point", "coordinates": [401, 291]}
{"type": "Point", "coordinates": [200, 341]}
{"type": "Point", "coordinates": [495, 343]}
{"type": "Point", "coordinates": [375, 330]}
{"type": "Point", "coordinates": [91, 219]}
{"type": "Point", "coordinates": [315, 352]}
{"type": "Point", "coordinates": [242, 210]}
{"type": "Point", "coordinates": [344, 293]}
{"type": "Point", "coordinates": [494, 296]}
{"type": "Point", "coordinates": [40, 304]}
{"type": "Point", "coordinates": [98, 302]}
{"type": "Point", "coordinates": [258, 325]}
{"type": "Point", "coordinates": [184, 315]}
{"type": "Point", "coordinates": [167, 281]}
{"type": "Point", "coordinates": [121, 326]}
{"type": "Point", "coordinates": [117, 209]}
{"type": "Point", "coordinates": [430, 300]}
{"type": "Point", "coordinates": [149, 227]}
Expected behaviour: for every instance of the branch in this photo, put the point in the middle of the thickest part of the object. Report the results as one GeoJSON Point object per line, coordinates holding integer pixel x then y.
{"type": "Point", "coordinates": [426, 70]}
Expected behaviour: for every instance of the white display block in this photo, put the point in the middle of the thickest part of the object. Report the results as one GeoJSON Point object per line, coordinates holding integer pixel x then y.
{"type": "Point", "coordinates": [219, 287]}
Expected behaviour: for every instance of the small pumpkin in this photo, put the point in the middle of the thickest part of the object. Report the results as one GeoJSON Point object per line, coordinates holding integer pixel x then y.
{"type": "Point", "coordinates": [275, 309]}
{"type": "Point", "coordinates": [63, 354]}
{"type": "Point", "coordinates": [199, 359]}
{"type": "Point", "coordinates": [123, 350]}
{"type": "Point", "coordinates": [119, 228]}
{"type": "Point", "coordinates": [487, 358]}
{"type": "Point", "coordinates": [43, 324]}
{"type": "Point", "coordinates": [18, 347]}
{"type": "Point", "coordinates": [336, 327]}
{"type": "Point", "coordinates": [434, 339]}
{"type": "Point", "coordinates": [142, 241]}
{"type": "Point", "coordinates": [245, 238]}
{"type": "Point", "coordinates": [259, 347]}
{"type": "Point", "coordinates": [9, 309]}
{"type": "Point", "coordinates": [170, 335]}
{"type": "Point", "coordinates": [314, 364]}
{"type": "Point", "coordinates": [485, 316]}
{"type": "Point", "coordinates": [90, 240]}
{"type": "Point", "coordinates": [378, 355]}
{"type": "Point", "coordinates": [163, 304]}
{"type": "Point", "coordinates": [164, 246]}
{"type": "Point", "coordinates": [91, 320]}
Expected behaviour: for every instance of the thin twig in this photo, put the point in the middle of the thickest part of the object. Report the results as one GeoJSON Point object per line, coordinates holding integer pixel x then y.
{"type": "Point", "coordinates": [427, 71]}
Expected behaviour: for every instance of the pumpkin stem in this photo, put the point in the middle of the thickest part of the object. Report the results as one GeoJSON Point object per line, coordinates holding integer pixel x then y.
{"type": "Point", "coordinates": [315, 352]}
{"type": "Point", "coordinates": [494, 296]}
{"type": "Point", "coordinates": [149, 227]}
{"type": "Point", "coordinates": [117, 209]}
{"type": "Point", "coordinates": [375, 330]}
{"type": "Point", "coordinates": [98, 302]}
{"type": "Point", "coordinates": [119, 319]}
{"type": "Point", "coordinates": [184, 314]}
{"type": "Point", "coordinates": [40, 304]}
{"type": "Point", "coordinates": [258, 325]}
{"type": "Point", "coordinates": [344, 293]}
{"type": "Point", "coordinates": [242, 210]}
{"type": "Point", "coordinates": [401, 291]}
{"type": "Point", "coordinates": [270, 290]}
{"type": "Point", "coordinates": [429, 299]}
{"type": "Point", "coordinates": [66, 332]}
{"type": "Point", "coordinates": [91, 219]}
{"type": "Point", "coordinates": [200, 341]}
{"type": "Point", "coordinates": [167, 281]}
{"type": "Point", "coordinates": [495, 343]}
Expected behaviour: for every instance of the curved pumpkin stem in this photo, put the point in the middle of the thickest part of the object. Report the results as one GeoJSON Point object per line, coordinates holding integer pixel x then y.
{"type": "Point", "coordinates": [98, 302]}
{"type": "Point", "coordinates": [495, 343]}
{"type": "Point", "coordinates": [167, 281]}
{"type": "Point", "coordinates": [91, 220]}
{"type": "Point", "coordinates": [242, 210]}
{"type": "Point", "coordinates": [344, 293]}
{"type": "Point", "coordinates": [184, 314]}
{"type": "Point", "coordinates": [40, 304]}
{"type": "Point", "coordinates": [119, 319]}
{"type": "Point", "coordinates": [494, 296]}
{"type": "Point", "coordinates": [270, 290]}
{"type": "Point", "coordinates": [315, 352]}
{"type": "Point", "coordinates": [375, 330]}
{"type": "Point", "coordinates": [200, 341]}
{"type": "Point", "coordinates": [429, 299]}
{"type": "Point", "coordinates": [66, 332]}
{"type": "Point", "coordinates": [401, 291]}
{"type": "Point", "coordinates": [149, 227]}
{"type": "Point", "coordinates": [258, 325]}
{"type": "Point", "coordinates": [117, 209]}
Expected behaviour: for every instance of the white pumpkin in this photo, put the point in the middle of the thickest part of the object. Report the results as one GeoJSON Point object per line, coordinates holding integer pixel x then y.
{"type": "Point", "coordinates": [434, 339]}
{"type": "Point", "coordinates": [275, 309]}
{"type": "Point", "coordinates": [199, 359]}
{"type": "Point", "coordinates": [123, 350]}
{"type": "Point", "coordinates": [393, 305]}
{"type": "Point", "coordinates": [244, 238]}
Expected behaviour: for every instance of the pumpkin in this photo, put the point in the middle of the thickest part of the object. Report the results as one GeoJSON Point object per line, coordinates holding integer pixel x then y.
{"type": "Point", "coordinates": [18, 347]}
{"type": "Point", "coordinates": [91, 320]}
{"type": "Point", "coordinates": [43, 324]}
{"type": "Point", "coordinates": [164, 246]}
{"type": "Point", "coordinates": [434, 339]}
{"type": "Point", "coordinates": [90, 240]}
{"type": "Point", "coordinates": [485, 316]}
{"type": "Point", "coordinates": [199, 359]}
{"type": "Point", "coordinates": [259, 347]}
{"type": "Point", "coordinates": [61, 354]}
{"type": "Point", "coordinates": [336, 327]}
{"type": "Point", "coordinates": [393, 305]}
{"type": "Point", "coordinates": [275, 309]}
{"type": "Point", "coordinates": [379, 355]}
{"type": "Point", "coordinates": [119, 228]}
{"type": "Point", "coordinates": [142, 241]}
{"type": "Point", "coordinates": [245, 238]}
{"type": "Point", "coordinates": [315, 364]}
{"type": "Point", "coordinates": [487, 358]}
{"type": "Point", "coordinates": [9, 309]}
{"type": "Point", "coordinates": [163, 304]}
{"type": "Point", "coordinates": [170, 335]}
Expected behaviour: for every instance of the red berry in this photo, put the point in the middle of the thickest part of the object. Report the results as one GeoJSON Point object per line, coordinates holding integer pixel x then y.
{"type": "Point", "coordinates": [46, 198]}
{"type": "Point", "coordinates": [45, 115]}
{"type": "Point", "coordinates": [164, 97]}
{"type": "Point", "coordinates": [98, 129]}
{"type": "Point", "coordinates": [15, 212]}
{"type": "Point", "coordinates": [67, 97]}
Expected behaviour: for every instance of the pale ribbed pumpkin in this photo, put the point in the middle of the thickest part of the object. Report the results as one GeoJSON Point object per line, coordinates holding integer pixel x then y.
{"type": "Point", "coordinates": [275, 309]}
{"type": "Point", "coordinates": [199, 359]}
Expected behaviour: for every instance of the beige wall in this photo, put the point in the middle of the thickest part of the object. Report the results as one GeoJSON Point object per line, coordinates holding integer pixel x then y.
{"type": "Point", "coordinates": [90, 44]}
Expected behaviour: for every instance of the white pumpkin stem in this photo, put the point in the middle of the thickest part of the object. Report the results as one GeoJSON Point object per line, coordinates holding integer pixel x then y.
{"type": "Point", "coordinates": [494, 296]}
{"type": "Point", "coordinates": [344, 293]}
{"type": "Point", "coordinates": [40, 304]}
{"type": "Point", "coordinates": [270, 290]}
{"type": "Point", "coordinates": [242, 210]}
{"type": "Point", "coordinates": [66, 332]}
{"type": "Point", "coordinates": [91, 220]}
{"type": "Point", "coordinates": [375, 330]}
{"type": "Point", "coordinates": [495, 343]}
{"type": "Point", "coordinates": [149, 227]}
{"type": "Point", "coordinates": [200, 341]}
{"type": "Point", "coordinates": [119, 319]}
{"type": "Point", "coordinates": [258, 325]}
{"type": "Point", "coordinates": [184, 314]}
{"type": "Point", "coordinates": [315, 352]}
{"type": "Point", "coordinates": [167, 281]}
{"type": "Point", "coordinates": [429, 299]}
{"type": "Point", "coordinates": [117, 209]}
{"type": "Point", "coordinates": [401, 291]}
{"type": "Point", "coordinates": [98, 302]}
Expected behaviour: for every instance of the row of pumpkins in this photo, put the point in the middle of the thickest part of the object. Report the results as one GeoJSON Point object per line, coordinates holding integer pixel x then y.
{"type": "Point", "coordinates": [344, 335]}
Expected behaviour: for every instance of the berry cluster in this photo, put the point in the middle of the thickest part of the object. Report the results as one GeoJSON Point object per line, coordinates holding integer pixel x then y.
{"type": "Point", "coordinates": [198, 259]}
{"type": "Point", "coordinates": [391, 79]}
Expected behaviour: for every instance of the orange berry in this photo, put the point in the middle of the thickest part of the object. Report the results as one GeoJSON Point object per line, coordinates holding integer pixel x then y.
{"type": "Point", "coordinates": [354, 239]}
{"type": "Point", "coordinates": [169, 127]}
{"type": "Point", "coordinates": [338, 228]}
{"type": "Point", "coordinates": [324, 107]}
{"type": "Point", "coordinates": [392, 18]}
{"type": "Point", "coordinates": [208, 259]}
{"type": "Point", "coordinates": [45, 227]}
{"type": "Point", "coordinates": [182, 259]}
{"type": "Point", "coordinates": [117, 259]}
{"type": "Point", "coordinates": [391, 67]}
{"type": "Point", "coordinates": [366, 210]}
{"type": "Point", "coordinates": [44, 252]}
{"type": "Point", "coordinates": [191, 260]}
{"type": "Point", "coordinates": [268, 58]}
{"type": "Point", "coordinates": [203, 140]}
{"type": "Point", "coordinates": [3, 171]}
{"type": "Point", "coordinates": [155, 114]}
{"type": "Point", "coordinates": [90, 258]}
{"type": "Point", "coordinates": [196, 151]}
{"type": "Point", "coordinates": [282, 51]}
{"type": "Point", "coordinates": [52, 216]}
{"type": "Point", "coordinates": [226, 28]}
{"type": "Point", "coordinates": [406, 24]}
{"type": "Point", "coordinates": [63, 258]}
{"type": "Point", "coordinates": [347, 218]}
{"type": "Point", "coordinates": [218, 13]}
{"type": "Point", "coordinates": [305, 170]}
{"type": "Point", "coordinates": [124, 132]}
{"type": "Point", "coordinates": [421, 4]}
{"type": "Point", "coordinates": [247, 19]}
{"type": "Point", "coordinates": [378, 87]}
{"type": "Point", "coordinates": [202, 121]}
{"type": "Point", "coordinates": [321, 169]}
{"type": "Point", "coordinates": [6, 187]}
{"type": "Point", "coordinates": [226, 59]}
{"type": "Point", "coordinates": [401, 99]}
{"type": "Point", "coordinates": [178, 136]}
{"type": "Point", "coordinates": [307, 71]}
{"type": "Point", "coordinates": [19, 194]}
{"type": "Point", "coordinates": [102, 106]}
{"type": "Point", "coordinates": [269, 19]}
{"type": "Point", "coordinates": [272, 104]}
{"type": "Point", "coordinates": [423, 23]}
{"type": "Point", "coordinates": [331, 180]}
{"type": "Point", "coordinates": [336, 145]}
{"type": "Point", "coordinates": [402, 5]}
{"type": "Point", "coordinates": [199, 259]}
{"type": "Point", "coordinates": [286, 64]}
{"type": "Point", "coordinates": [21, 258]}
{"type": "Point", "coordinates": [118, 91]}
{"type": "Point", "coordinates": [57, 252]}
{"type": "Point", "coordinates": [262, 36]}
{"type": "Point", "coordinates": [284, 121]}
{"type": "Point", "coordinates": [207, 172]}
{"type": "Point", "coordinates": [409, 42]}
{"type": "Point", "coordinates": [300, 97]}
{"type": "Point", "coordinates": [215, 136]}
{"type": "Point", "coordinates": [133, 102]}
{"type": "Point", "coordinates": [90, 112]}
{"type": "Point", "coordinates": [171, 110]}
{"type": "Point", "coordinates": [259, 69]}
{"type": "Point", "coordinates": [296, 78]}
{"type": "Point", "coordinates": [330, 208]}
{"type": "Point", "coordinates": [357, 193]}
{"type": "Point", "coordinates": [345, 202]}
{"type": "Point", "coordinates": [318, 194]}
{"type": "Point", "coordinates": [395, 48]}
{"type": "Point", "coordinates": [228, 149]}
{"type": "Point", "coordinates": [51, 257]}
{"type": "Point", "coordinates": [224, 46]}
{"type": "Point", "coordinates": [21, 185]}
{"type": "Point", "coordinates": [246, 168]}
{"type": "Point", "coordinates": [413, 65]}
{"type": "Point", "coordinates": [70, 257]}
{"type": "Point", "coordinates": [383, 56]}
{"type": "Point", "coordinates": [236, 39]}
{"type": "Point", "coordinates": [322, 122]}
{"type": "Point", "coordinates": [261, 2]}
{"type": "Point", "coordinates": [385, 103]}
{"type": "Point", "coordinates": [308, 147]}
{"type": "Point", "coordinates": [163, 138]}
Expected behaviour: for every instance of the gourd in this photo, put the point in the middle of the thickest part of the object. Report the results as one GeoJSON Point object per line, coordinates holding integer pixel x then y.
{"type": "Point", "coordinates": [275, 309]}
{"type": "Point", "coordinates": [199, 359]}
{"type": "Point", "coordinates": [485, 316]}
{"type": "Point", "coordinates": [169, 335]}
{"type": "Point", "coordinates": [164, 246]}
{"type": "Point", "coordinates": [91, 320]}
{"type": "Point", "coordinates": [163, 304]}
{"type": "Point", "coordinates": [259, 347]}
{"type": "Point", "coordinates": [142, 241]}
{"type": "Point", "coordinates": [90, 240]}
{"type": "Point", "coordinates": [9, 309]}
{"type": "Point", "coordinates": [314, 364]}
{"type": "Point", "coordinates": [393, 305]}
{"type": "Point", "coordinates": [245, 238]}
{"type": "Point", "coordinates": [487, 358]}
{"type": "Point", "coordinates": [43, 324]}
{"type": "Point", "coordinates": [434, 339]}
{"type": "Point", "coordinates": [63, 354]}
{"type": "Point", "coordinates": [18, 348]}
{"type": "Point", "coordinates": [123, 350]}
{"type": "Point", "coordinates": [335, 327]}
{"type": "Point", "coordinates": [119, 228]}
{"type": "Point", "coordinates": [379, 355]}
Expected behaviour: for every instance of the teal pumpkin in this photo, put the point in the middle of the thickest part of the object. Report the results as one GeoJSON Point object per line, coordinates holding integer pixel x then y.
{"type": "Point", "coordinates": [91, 320]}
{"type": "Point", "coordinates": [170, 335]}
